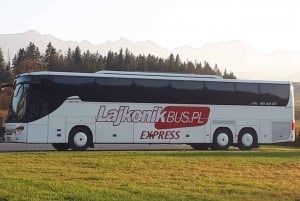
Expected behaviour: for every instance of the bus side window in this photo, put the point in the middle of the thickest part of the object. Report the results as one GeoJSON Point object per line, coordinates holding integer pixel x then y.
{"type": "Point", "coordinates": [274, 94]}
{"type": "Point", "coordinates": [220, 93]}
{"type": "Point", "coordinates": [151, 90]}
{"type": "Point", "coordinates": [191, 92]}
{"type": "Point", "coordinates": [115, 89]}
{"type": "Point", "coordinates": [247, 94]}
{"type": "Point", "coordinates": [38, 103]}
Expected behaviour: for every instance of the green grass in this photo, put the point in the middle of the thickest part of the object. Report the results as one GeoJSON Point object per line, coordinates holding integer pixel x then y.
{"type": "Point", "coordinates": [268, 173]}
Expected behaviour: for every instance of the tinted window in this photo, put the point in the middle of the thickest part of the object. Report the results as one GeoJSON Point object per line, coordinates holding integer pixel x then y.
{"type": "Point", "coordinates": [114, 82]}
{"type": "Point", "coordinates": [149, 83]}
{"type": "Point", "coordinates": [274, 94]}
{"type": "Point", "coordinates": [23, 79]}
{"type": "Point", "coordinates": [38, 102]}
{"type": "Point", "coordinates": [188, 85]}
{"type": "Point", "coordinates": [151, 91]}
{"type": "Point", "coordinates": [247, 94]}
{"type": "Point", "coordinates": [187, 92]}
{"type": "Point", "coordinates": [18, 106]}
{"type": "Point", "coordinates": [73, 80]}
{"type": "Point", "coordinates": [114, 90]}
{"type": "Point", "coordinates": [220, 86]}
{"type": "Point", "coordinates": [220, 93]}
{"type": "Point", "coordinates": [165, 91]}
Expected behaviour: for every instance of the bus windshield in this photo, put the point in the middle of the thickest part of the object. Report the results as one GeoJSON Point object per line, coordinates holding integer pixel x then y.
{"type": "Point", "coordinates": [29, 103]}
{"type": "Point", "coordinates": [18, 105]}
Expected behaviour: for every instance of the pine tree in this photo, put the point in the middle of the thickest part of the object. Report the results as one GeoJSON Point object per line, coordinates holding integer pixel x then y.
{"type": "Point", "coordinates": [199, 68]}
{"type": "Point", "coordinates": [77, 56]}
{"type": "Point", "coordinates": [190, 67]}
{"type": "Point", "coordinates": [51, 58]}
{"type": "Point", "coordinates": [129, 61]}
{"type": "Point", "coordinates": [217, 70]}
{"type": "Point", "coordinates": [110, 60]}
{"type": "Point", "coordinates": [177, 66]}
{"type": "Point", "coordinates": [32, 52]}
{"type": "Point", "coordinates": [28, 60]}
{"type": "Point", "coordinates": [2, 63]}
{"type": "Point", "coordinates": [171, 63]}
{"type": "Point", "coordinates": [141, 63]}
{"type": "Point", "coordinates": [5, 74]}
{"type": "Point", "coordinates": [120, 60]}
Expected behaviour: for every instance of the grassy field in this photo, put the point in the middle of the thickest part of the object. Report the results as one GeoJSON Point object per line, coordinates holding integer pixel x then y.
{"type": "Point", "coordinates": [268, 173]}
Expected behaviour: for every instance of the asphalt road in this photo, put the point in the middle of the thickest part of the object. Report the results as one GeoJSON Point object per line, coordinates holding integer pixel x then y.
{"type": "Point", "coordinates": [17, 147]}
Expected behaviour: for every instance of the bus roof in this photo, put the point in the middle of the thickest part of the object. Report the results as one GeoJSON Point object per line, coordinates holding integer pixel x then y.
{"type": "Point", "coordinates": [184, 75]}
{"type": "Point", "coordinates": [150, 75]}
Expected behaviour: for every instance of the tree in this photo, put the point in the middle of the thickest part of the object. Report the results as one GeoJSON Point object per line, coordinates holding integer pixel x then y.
{"type": "Point", "coordinates": [129, 61]}
{"type": "Point", "coordinates": [120, 60]}
{"type": "Point", "coordinates": [190, 67]}
{"type": "Point", "coordinates": [28, 60]}
{"type": "Point", "coordinates": [217, 70]}
{"type": "Point", "coordinates": [171, 63]}
{"type": "Point", "coordinates": [141, 63]}
{"type": "Point", "coordinates": [199, 68]}
{"type": "Point", "coordinates": [51, 58]}
{"type": "Point", "coordinates": [32, 52]}
{"type": "Point", "coordinates": [177, 64]}
{"type": "Point", "coordinates": [77, 57]}
{"type": "Point", "coordinates": [5, 74]}
{"type": "Point", "coordinates": [2, 63]}
{"type": "Point", "coordinates": [110, 60]}
{"type": "Point", "coordinates": [227, 75]}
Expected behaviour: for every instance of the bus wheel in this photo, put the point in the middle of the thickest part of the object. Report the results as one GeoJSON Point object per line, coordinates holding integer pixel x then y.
{"type": "Point", "coordinates": [61, 146]}
{"type": "Point", "coordinates": [79, 139]}
{"type": "Point", "coordinates": [200, 146]}
{"type": "Point", "coordinates": [247, 140]}
{"type": "Point", "coordinates": [222, 139]}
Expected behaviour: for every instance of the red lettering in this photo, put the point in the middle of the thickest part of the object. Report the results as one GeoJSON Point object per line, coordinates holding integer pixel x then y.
{"type": "Point", "coordinates": [160, 135]}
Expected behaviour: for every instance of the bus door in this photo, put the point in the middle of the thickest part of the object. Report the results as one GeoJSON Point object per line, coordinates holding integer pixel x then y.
{"type": "Point", "coordinates": [37, 109]}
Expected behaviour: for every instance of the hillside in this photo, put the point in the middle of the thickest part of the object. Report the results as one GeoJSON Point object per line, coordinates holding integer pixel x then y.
{"type": "Point", "coordinates": [235, 56]}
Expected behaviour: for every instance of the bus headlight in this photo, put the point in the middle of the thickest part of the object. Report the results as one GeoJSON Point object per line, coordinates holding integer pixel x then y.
{"type": "Point", "coordinates": [19, 130]}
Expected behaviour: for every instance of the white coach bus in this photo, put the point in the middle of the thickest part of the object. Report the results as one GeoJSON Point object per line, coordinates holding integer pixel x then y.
{"type": "Point", "coordinates": [78, 110]}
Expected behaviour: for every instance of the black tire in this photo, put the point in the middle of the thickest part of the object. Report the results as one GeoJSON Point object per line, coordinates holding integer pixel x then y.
{"type": "Point", "coordinates": [200, 146]}
{"type": "Point", "coordinates": [247, 139]}
{"type": "Point", "coordinates": [222, 139]}
{"type": "Point", "coordinates": [80, 139]}
{"type": "Point", "coordinates": [61, 146]}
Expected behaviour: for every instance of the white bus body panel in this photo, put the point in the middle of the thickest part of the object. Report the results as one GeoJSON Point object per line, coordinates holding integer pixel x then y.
{"type": "Point", "coordinates": [38, 131]}
{"type": "Point", "coordinates": [57, 129]}
{"type": "Point", "coordinates": [107, 126]}
{"type": "Point", "coordinates": [10, 132]}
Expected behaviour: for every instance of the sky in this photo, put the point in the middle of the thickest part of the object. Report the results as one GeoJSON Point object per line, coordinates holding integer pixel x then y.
{"type": "Point", "coordinates": [265, 25]}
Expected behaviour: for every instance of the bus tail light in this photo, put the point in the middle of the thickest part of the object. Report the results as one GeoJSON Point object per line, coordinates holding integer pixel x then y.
{"type": "Point", "coordinates": [293, 125]}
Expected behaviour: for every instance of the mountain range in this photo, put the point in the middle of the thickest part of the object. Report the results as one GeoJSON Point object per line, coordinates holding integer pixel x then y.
{"type": "Point", "coordinates": [236, 56]}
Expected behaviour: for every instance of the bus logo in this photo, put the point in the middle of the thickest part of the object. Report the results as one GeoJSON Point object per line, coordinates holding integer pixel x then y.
{"type": "Point", "coordinates": [183, 116]}
{"type": "Point", "coordinates": [163, 118]}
